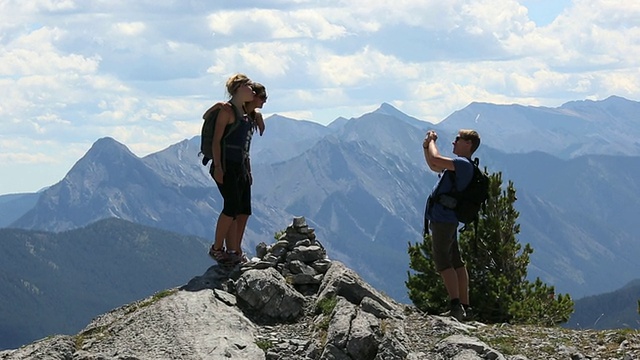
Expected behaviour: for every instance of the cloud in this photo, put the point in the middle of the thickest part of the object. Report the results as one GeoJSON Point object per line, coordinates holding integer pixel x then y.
{"type": "Point", "coordinates": [130, 28]}
{"type": "Point", "coordinates": [596, 33]}
{"type": "Point", "coordinates": [365, 67]}
{"type": "Point", "coordinates": [275, 24]}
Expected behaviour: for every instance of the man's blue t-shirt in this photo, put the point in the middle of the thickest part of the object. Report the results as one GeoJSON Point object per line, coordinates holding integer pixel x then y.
{"type": "Point", "coordinates": [463, 174]}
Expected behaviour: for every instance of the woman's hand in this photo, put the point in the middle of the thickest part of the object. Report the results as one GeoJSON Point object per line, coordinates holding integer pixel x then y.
{"type": "Point", "coordinates": [218, 174]}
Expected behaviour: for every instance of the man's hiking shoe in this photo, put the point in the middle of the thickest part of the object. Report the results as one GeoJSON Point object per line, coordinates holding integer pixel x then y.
{"type": "Point", "coordinates": [468, 313]}
{"type": "Point", "coordinates": [456, 311]}
{"type": "Point", "coordinates": [219, 255]}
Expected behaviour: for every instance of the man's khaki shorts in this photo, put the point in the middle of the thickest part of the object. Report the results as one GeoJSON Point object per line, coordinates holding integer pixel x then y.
{"type": "Point", "coordinates": [446, 253]}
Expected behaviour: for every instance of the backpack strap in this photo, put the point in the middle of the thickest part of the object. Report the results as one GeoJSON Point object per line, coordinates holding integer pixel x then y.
{"type": "Point", "coordinates": [476, 167]}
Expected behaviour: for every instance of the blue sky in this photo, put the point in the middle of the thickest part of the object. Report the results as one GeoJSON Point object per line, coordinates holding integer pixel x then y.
{"type": "Point", "coordinates": [143, 72]}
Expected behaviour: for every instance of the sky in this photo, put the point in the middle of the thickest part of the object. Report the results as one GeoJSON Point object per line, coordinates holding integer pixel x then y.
{"type": "Point", "coordinates": [144, 71]}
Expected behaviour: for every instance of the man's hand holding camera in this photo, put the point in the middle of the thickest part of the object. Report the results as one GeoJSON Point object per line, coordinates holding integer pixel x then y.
{"type": "Point", "coordinates": [431, 136]}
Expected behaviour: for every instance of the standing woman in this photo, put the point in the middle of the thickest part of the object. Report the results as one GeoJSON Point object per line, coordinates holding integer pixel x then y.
{"type": "Point", "coordinates": [257, 122]}
{"type": "Point", "coordinates": [229, 168]}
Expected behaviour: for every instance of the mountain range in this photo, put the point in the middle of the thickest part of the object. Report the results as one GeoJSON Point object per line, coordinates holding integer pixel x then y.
{"type": "Point", "coordinates": [613, 310]}
{"type": "Point", "coordinates": [362, 183]}
{"type": "Point", "coordinates": [55, 283]}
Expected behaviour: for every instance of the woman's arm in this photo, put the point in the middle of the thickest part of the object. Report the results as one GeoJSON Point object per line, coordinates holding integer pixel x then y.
{"type": "Point", "coordinates": [225, 117]}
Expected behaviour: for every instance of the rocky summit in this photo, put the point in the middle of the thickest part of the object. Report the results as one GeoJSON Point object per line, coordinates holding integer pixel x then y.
{"type": "Point", "coordinates": [292, 302]}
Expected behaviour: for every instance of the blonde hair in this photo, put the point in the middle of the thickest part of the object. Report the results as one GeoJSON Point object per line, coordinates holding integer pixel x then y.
{"type": "Point", "coordinates": [235, 81]}
{"type": "Point", "coordinates": [470, 135]}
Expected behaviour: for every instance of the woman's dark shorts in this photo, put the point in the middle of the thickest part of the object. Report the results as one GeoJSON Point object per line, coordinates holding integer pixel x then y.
{"type": "Point", "coordinates": [235, 190]}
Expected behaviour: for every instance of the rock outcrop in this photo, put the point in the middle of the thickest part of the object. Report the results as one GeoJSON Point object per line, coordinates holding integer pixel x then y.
{"type": "Point", "coordinates": [292, 302]}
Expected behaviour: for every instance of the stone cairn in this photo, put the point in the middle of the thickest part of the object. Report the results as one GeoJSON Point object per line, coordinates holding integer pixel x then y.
{"type": "Point", "coordinates": [297, 255]}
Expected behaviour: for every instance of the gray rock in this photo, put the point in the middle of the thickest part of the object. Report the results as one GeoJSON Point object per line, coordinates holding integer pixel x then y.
{"type": "Point", "coordinates": [261, 265]}
{"type": "Point", "coordinates": [293, 237]}
{"type": "Point", "coordinates": [214, 278]}
{"type": "Point", "coordinates": [363, 343]}
{"type": "Point", "coordinates": [273, 258]}
{"type": "Point", "coordinates": [304, 279]}
{"type": "Point", "coordinates": [298, 267]}
{"type": "Point", "coordinates": [307, 254]}
{"type": "Point", "coordinates": [261, 250]}
{"type": "Point", "coordinates": [321, 266]}
{"type": "Point", "coordinates": [392, 349]}
{"type": "Point", "coordinates": [267, 292]}
{"type": "Point", "coordinates": [342, 281]}
{"type": "Point", "coordinates": [299, 222]}
{"type": "Point", "coordinates": [303, 242]}
{"type": "Point", "coordinates": [225, 297]}
{"type": "Point", "coordinates": [373, 307]}
{"type": "Point", "coordinates": [60, 347]}
{"type": "Point", "coordinates": [463, 347]}
{"type": "Point", "coordinates": [331, 352]}
{"type": "Point", "coordinates": [178, 324]}
{"type": "Point", "coordinates": [280, 245]}
{"type": "Point", "coordinates": [338, 331]}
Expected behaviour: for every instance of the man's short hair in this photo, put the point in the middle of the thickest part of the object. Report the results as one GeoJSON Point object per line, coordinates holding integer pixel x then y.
{"type": "Point", "coordinates": [470, 135]}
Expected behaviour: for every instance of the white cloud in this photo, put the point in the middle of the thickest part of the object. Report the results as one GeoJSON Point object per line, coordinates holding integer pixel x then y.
{"type": "Point", "coordinates": [502, 19]}
{"type": "Point", "coordinates": [129, 29]}
{"type": "Point", "coordinates": [273, 59]}
{"type": "Point", "coordinates": [276, 24]}
{"type": "Point", "coordinates": [371, 15]}
{"type": "Point", "coordinates": [599, 33]}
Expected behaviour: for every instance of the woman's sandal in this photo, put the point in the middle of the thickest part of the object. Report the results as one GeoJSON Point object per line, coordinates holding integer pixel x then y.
{"type": "Point", "coordinates": [219, 255]}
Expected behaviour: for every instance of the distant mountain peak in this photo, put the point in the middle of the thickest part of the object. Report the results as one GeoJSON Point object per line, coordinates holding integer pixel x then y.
{"type": "Point", "coordinates": [279, 117]}
{"type": "Point", "coordinates": [389, 110]}
{"type": "Point", "coordinates": [338, 122]}
{"type": "Point", "coordinates": [109, 144]}
{"type": "Point", "coordinates": [613, 99]}
{"type": "Point", "coordinates": [113, 157]}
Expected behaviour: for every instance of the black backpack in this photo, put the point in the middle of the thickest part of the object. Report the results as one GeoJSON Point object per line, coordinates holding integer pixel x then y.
{"type": "Point", "coordinates": [467, 202]}
{"type": "Point", "coordinates": [208, 129]}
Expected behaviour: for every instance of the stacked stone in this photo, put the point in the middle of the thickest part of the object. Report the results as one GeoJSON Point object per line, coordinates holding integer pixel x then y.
{"type": "Point", "coordinates": [297, 255]}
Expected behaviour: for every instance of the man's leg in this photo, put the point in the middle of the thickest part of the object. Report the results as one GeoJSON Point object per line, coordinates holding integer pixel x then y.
{"type": "Point", "coordinates": [444, 249]}
{"type": "Point", "coordinates": [463, 284]}
{"type": "Point", "coordinates": [456, 281]}
{"type": "Point", "coordinates": [451, 283]}
{"type": "Point", "coordinates": [462, 274]}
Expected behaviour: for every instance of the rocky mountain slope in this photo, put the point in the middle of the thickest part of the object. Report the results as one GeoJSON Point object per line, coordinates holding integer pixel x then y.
{"type": "Point", "coordinates": [293, 302]}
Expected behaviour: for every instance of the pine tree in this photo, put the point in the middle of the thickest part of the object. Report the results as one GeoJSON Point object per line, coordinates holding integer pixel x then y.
{"type": "Point", "coordinates": [497, 266]}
